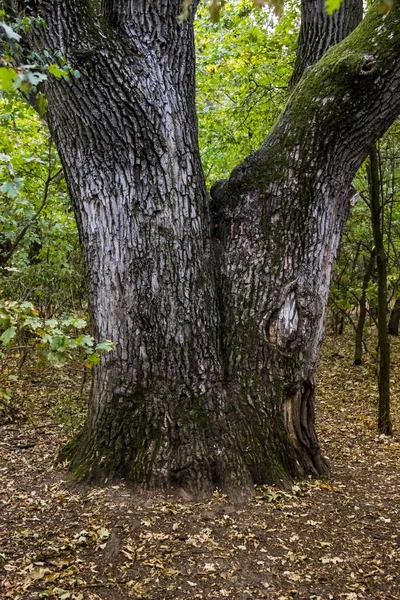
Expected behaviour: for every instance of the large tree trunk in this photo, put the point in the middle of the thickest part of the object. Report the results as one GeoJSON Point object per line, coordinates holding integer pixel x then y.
{"type": "Point", "coordinates": [217, 320]}
{"type": "Point", "coordinates": [130, 154]}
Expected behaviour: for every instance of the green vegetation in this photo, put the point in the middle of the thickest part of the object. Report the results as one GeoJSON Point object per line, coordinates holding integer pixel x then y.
{"type": "Point", "coordinates": [244, 63]}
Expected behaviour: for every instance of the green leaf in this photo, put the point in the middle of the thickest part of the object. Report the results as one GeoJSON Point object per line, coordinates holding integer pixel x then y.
{"type": "Point", "coordinates": [8, 335]}
{"type": "Point", "coordinates": [105, 346]}
{"type": "Point", "coordinates": [60, 343]}
{"type": "Point", "coordinates": [79, 323]}
{"type": "Point", "coordinates": [27, 306]}
{"type": "Point", "coordinates": [9, 188]}
{"type": "Point", "coordinates": [35, 78]}
{"type": "Point", "coordinates": [92, 360]}
{"type": "Point", "coordinates": [51, 323]}
{"type": "Point", "coordinates": [56, 71]}
{"type": "Point", "coordinates": [57, 358]}
{"type": "Point", "coordinates": [84, 340]}
{"type": "Point", "coordinates": [7, 76]}
{"type": "Point", "coordinates": [32, 322]}
{"type": "Point", "coordinates": [332, 5]}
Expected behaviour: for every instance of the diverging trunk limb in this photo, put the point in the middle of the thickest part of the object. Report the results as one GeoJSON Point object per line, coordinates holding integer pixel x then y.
{"type": "Point", "coordinates": [279, 226]}
{"type": "Point", "coordinates": [162, 411]}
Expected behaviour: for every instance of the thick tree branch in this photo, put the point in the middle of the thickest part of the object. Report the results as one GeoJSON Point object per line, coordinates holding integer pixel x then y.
{"type": "Point", "coordinates": [340, 108]}
{"type": "Point", "coordinates": [282, 214]}
{"type": "Point", "coordinates": [319, 31]}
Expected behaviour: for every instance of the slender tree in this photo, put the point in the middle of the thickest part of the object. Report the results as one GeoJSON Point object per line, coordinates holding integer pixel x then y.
{"type": "Point", "coordinates": [376, 207]}
{"type": "Point", "coordinates": [369, 263]}
{"type": "Point", "coordinates": [217, 307]}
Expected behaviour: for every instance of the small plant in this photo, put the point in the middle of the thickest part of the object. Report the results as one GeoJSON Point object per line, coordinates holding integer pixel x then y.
{"type": "Point", "coordinates": [52, 340]}
{"type": "Point", "coordinates": [23, 333]}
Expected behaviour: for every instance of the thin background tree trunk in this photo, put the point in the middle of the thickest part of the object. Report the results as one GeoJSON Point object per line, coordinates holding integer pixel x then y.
{"type": "Point", "coordinates": [369, 265]}
{"type": "Point", "coordinates": [384, 422]}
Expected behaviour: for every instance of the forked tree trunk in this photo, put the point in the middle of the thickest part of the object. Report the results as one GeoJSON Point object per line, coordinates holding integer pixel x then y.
{"type": "Point", "coordinates": [319, 31]}
{"type": "Point", "coordinates": [217, 319]}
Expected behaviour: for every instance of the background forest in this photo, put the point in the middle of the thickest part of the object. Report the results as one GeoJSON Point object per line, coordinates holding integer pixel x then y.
{"type": "Point", "coordinates": [75, 548]}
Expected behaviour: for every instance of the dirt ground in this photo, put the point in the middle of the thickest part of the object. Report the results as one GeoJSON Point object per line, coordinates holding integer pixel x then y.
{"type": "Point", "coordinates": [333, 538]}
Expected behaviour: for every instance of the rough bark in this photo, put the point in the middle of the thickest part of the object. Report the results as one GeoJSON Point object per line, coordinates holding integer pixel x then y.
{"type": "Point", "coordinates": [127, 136]}
{"type": "Point", "coordinates": [218, 322]}
{"type": "Point", "coordinates": [394, 320]}
{"type": "Point", "coordinates": [384, 422]}
{"type": "Point", "coordinates": [319, 31]}
{"type": "Point", "coordinates": [369, 266]}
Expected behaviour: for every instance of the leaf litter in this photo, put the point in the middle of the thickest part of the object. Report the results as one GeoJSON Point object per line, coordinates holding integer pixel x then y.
{"type": "Point", "coordinates": [335, 538]}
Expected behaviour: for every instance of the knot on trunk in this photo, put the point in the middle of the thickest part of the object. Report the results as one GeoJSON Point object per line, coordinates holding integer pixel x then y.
{"type": "Point", "coordinates": [283, 323]}
{"type": "Point", "coordinates": [369, 66]}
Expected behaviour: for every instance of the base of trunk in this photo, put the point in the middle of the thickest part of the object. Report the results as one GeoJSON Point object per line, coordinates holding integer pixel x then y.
{"type": "Point", "coordinates": [200, 445]}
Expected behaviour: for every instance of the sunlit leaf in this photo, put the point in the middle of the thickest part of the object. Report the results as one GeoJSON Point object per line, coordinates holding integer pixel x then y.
{"type": "Point", "coordinates": [56, 71]}
{"type": "Point", "coordinates": [332, 5]}
{"type": "Point", "coordinates": [7, 76]}
{"type": "Point", "coordinates": [8, 335]}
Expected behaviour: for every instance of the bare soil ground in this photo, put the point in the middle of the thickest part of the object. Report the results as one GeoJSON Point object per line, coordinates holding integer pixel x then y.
{"type": "Point", "coordinates": [333, 538]}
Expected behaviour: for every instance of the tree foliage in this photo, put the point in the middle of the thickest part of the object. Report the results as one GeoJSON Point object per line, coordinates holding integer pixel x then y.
{"type": "Point", "coordinates": [244, 63]}
{"type": "Point", "coordinates": [39, 250]}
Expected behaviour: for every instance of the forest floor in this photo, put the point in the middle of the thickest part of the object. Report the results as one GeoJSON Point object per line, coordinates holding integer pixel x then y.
{"type": "Point", "coordinates": [334, 538]}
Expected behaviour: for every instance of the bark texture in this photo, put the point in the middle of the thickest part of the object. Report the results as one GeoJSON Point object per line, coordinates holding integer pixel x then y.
{"type": "Point", "coordinates": [218, 318]}
{"type": "Point", "coordinates": [319, 31]}
{"type": "Point", "coordinates": [127, 135]}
